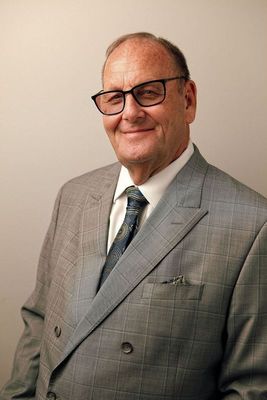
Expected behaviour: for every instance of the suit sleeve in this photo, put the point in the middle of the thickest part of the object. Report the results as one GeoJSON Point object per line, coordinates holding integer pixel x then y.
{"type": "Point", "coordinates": [244, 368]}
{"type": "Point", "coordinates": [22, 384]}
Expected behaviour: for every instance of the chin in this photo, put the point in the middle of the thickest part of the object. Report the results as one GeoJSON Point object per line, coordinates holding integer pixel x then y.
{"type": "Point", "coordinates": [135, 158]}
{"type": "Point", "coordinates": [140, 153]}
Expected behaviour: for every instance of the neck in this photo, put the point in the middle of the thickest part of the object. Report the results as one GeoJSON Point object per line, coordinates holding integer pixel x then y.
{"type": "Point", "coordinates": [139, 173]}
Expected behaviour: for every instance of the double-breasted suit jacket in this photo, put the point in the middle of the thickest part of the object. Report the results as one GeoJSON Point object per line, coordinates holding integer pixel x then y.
{"type": "Point", "coordinates": [183, 315]}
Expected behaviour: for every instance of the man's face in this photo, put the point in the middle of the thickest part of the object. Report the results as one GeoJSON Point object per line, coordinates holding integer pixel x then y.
{"type": "Point", "coordinates": [148, 138]}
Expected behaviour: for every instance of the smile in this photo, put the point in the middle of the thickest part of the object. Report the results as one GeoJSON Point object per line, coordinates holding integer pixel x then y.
{"type": "Point", "coordinates": [133, 131]}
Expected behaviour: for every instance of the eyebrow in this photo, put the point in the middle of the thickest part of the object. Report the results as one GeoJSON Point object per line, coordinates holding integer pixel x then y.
{"type": "Point", "coordinates": [137, 84]}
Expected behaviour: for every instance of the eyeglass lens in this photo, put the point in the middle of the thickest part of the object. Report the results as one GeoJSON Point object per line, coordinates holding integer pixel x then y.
{"type": "Point", "coordinates": [147, 94]}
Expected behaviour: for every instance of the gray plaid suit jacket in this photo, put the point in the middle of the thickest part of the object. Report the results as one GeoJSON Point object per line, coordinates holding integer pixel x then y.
{"type": "Point", "coordinates": [182, 316]}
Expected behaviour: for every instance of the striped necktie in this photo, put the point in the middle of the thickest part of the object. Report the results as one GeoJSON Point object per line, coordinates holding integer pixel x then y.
{"type": "Point", "coordinates": [135, 205]}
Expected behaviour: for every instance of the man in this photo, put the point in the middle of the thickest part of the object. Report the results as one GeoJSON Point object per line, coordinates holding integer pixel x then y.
{"type": "Point", "coordinates": [181, 313]}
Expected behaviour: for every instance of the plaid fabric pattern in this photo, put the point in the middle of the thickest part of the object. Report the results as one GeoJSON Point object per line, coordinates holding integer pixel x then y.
{"type": "Point", "coordinates": [181, 316]}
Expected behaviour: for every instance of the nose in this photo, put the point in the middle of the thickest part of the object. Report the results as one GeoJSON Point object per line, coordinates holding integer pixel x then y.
{"type": "Point", "coordinates": [132, 110]}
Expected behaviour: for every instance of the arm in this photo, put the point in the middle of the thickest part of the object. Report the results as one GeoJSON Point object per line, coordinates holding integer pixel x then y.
{"type": "Point", "coordinates": [22, 383]}
{"type": "Point", "coordinates": [244, 369]}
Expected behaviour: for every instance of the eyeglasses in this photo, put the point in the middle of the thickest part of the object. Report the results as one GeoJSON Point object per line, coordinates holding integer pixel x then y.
{"type": "Point", "coordinates": [146, 94]}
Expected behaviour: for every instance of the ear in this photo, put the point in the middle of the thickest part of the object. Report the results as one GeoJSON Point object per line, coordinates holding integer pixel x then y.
{"type": "Point", "coordinates": [190, 98]}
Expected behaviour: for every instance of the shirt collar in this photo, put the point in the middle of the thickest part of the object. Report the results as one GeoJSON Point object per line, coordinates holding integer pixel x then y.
{"type": "Point", "coordinates": [156, 185]}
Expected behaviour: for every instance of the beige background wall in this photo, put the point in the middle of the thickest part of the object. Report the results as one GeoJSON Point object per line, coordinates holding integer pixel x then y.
{"type": "Point", "coordinates": [51, 52]}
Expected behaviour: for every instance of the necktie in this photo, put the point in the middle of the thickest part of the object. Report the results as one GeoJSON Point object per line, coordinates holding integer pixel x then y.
{"type": "Point", "coordinates": [135, 205]}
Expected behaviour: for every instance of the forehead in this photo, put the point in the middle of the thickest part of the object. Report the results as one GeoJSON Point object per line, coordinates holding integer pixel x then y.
{"type": "Point", "coordinates": [136, 61]}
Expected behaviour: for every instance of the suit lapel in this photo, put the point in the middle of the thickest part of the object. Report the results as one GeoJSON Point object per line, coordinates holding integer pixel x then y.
{"type": "Point", "coordinates": [93, 241]}
{"type": "Point", "coordinates": [176, 214]}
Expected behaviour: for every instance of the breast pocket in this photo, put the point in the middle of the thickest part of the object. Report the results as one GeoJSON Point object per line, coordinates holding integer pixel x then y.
{"type": "Point", "coordinates": [172, 310]}
{"type": "Point", "coordinates": [172, 291]}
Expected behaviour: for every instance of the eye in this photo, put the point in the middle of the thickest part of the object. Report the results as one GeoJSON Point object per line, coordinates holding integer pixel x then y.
{"type": "Point", "coordinates": [147, 93]}
{"type": "Point", "coordinates": [150, 91]}
{"type": "Point", "coordinates": [113, 98]}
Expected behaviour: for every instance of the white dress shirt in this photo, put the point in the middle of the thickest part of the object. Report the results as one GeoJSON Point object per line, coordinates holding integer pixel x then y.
{"type": "Point", "coordinates": [152, 189]}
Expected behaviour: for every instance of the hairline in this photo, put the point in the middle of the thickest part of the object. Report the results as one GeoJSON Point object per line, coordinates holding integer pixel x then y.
{"type": "Point", "coordinates": [172, 50]}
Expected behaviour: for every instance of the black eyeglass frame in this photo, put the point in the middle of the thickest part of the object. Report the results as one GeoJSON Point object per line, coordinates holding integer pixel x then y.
{"type": "Point", "coordinates": [125, 92]}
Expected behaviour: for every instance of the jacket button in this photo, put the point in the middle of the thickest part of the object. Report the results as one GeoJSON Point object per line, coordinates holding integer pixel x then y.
{"type": "Point", "coordinates": [51, 396]}
{"type": "Point", "coordinates": [127, 348]}
{"type": "Point", "coordinates": [57, 331]}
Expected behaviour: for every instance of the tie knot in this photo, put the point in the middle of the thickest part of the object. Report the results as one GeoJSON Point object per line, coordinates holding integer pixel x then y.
{"type": "Point", "coordinates": [135, 198]}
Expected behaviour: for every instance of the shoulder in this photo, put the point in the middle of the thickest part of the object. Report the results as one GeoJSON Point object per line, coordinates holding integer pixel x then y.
{"type": "Point", "coordinates": [228, 200]}
{"type": "Point", "coordinates": [94, 178]}
{"type": "Point", "coordinates": [232, 204]}
{"type": "Point", "coordinates": [93, 183]}
{"type": "Point", "coordinates": [218, 185]}
{"type": "Point", "coordinates": [221, 186]}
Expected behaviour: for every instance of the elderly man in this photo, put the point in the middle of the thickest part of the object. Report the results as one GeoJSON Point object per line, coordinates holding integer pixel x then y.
{"type": "Point", "coordinates": [166, 300]}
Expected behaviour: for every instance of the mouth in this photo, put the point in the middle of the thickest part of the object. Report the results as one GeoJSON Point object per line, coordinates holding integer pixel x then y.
{"type": "Point", "coordinates": [136, 131]}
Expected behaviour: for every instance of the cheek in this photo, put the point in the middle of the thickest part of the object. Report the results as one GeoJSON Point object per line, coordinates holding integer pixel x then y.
{"type": "Point", "coordinates": [110, 124]}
